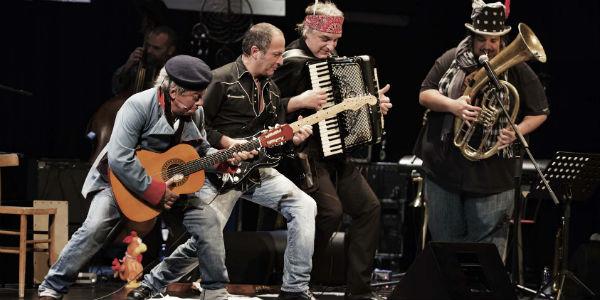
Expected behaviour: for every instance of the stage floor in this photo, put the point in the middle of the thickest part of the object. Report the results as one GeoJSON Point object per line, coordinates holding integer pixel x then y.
{"type": "Point", "coordinates": [113, 291]}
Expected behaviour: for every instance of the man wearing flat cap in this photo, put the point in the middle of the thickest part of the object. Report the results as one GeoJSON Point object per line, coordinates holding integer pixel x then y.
{"type": "Point", "coordinates": [155, 119]}
{"type": "Point", "coordinates": [244, 100]}
{"type": "Point", "coordinates": [472, 200]}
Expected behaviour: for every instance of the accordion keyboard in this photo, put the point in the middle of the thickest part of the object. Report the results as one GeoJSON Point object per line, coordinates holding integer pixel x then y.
{"type": "Point", "coordinates": [329, 129]}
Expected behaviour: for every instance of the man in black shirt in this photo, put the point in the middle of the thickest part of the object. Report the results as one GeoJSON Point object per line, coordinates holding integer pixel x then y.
{"type": "Point", "coordinates": [242, 100]}
{"type": "Point", "coordinates": [472, 201]}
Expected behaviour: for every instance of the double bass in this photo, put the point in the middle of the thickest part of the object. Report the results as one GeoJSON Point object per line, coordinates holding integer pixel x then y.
{"type": "Point", "coordinates": [101, 124]}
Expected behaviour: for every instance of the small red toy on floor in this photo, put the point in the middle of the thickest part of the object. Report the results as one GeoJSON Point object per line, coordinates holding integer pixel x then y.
{"type": "Point", "coordinates": [130, 267]}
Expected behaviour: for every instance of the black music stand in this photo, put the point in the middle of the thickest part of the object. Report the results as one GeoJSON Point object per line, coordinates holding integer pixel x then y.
{"type": "Point", "coordinates": [574, 177]}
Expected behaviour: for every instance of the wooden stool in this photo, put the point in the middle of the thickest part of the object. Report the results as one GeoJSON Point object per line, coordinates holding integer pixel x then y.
{"type": "Point", "coordinates": [24, 212]}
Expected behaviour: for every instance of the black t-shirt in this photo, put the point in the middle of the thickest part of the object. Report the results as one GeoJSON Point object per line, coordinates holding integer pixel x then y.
{"type": "Point", "coordinates": [444, 163]}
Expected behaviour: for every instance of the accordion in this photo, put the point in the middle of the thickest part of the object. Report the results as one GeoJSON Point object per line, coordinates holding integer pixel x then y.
{"type": "Point", "coordinates": [342, 78]}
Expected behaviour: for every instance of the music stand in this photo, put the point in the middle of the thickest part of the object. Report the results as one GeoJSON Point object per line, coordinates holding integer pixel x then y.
{"type": "Point", "coordinates": [574, 177]}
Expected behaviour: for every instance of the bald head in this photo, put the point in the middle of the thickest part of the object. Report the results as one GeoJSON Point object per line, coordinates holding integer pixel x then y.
{"type": "Point", "coordinates": [259, 35]}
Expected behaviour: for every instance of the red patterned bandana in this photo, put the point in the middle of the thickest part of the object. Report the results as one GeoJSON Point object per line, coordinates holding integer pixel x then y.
{"type": "Point", "coordinates": [329, 24]}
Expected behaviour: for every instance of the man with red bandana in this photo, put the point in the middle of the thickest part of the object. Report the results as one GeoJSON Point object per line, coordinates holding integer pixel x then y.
{"type": "Point", "coordinates": [337, 185]}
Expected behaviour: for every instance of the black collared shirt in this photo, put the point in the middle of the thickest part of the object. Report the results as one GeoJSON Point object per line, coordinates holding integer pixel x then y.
{"type": "Point", "coordinates": [231, 103]}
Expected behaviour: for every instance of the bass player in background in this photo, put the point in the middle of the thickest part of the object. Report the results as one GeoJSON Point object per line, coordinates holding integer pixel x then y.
{"type": "Point", "coordinates": [136, 75]}
{"type": "Point", "coordinates": [159, 45]}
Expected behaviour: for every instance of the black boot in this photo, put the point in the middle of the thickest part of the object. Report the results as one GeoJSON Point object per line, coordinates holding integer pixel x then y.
{"type": "Point", "coordinates": [140, 293]}
{"type": "Point", "coordinates": [365, 296]}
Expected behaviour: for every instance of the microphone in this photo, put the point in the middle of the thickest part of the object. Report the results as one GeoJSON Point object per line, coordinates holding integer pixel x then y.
{"type": "Point", "coordinates": [484, 60]}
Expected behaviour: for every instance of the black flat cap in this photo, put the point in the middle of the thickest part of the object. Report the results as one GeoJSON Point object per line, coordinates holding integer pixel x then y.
{"type": "Point", "coordinates": [189, 72]}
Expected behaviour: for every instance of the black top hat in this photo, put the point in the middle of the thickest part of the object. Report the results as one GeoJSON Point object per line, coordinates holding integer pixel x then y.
{"type": "Point", "coordinates": [189, 72]}
{"type": "Point", "coordinates": [488, 19]}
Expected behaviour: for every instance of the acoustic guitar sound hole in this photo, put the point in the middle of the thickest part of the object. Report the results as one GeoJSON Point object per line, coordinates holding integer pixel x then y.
{"type": "Point", "coordinates": [171, 168]}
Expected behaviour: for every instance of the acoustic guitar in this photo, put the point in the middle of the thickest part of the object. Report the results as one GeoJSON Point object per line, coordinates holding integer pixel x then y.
{"type": "Point", "coordinates": [183, 162]}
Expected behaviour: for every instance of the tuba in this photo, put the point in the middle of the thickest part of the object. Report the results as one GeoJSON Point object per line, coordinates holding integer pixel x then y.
{"type": "Point", "coordinates": [525, 46]}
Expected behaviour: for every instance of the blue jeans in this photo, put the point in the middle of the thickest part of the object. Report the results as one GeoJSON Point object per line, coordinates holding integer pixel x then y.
{"type": "Point", "coordinates": [83, 245]}
{"type": "Point", "coordinates": [460, 217]}
{"type": "Point", "coordinates": [205, 246]}
{"type": "Point", "coordinates": [299, 209]}
{"type": "Point", "coordinates": [102, 216]}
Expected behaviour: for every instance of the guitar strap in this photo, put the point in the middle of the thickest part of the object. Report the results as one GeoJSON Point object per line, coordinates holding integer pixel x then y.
{"type": "Point", "coordinates": [175, 122]}
{"type": "Point", "coordinates": [176, 137]}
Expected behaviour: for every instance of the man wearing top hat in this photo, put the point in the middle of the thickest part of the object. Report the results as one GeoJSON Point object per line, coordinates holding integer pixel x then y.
{"type": "Point", "coordinates": [155, 119]}
{"type": "Point", "coordinates": [472, 201]}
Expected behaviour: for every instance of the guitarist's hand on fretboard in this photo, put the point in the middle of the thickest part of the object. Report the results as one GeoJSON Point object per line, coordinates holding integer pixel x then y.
{"type": "Point", "coordinates": [241, 155]}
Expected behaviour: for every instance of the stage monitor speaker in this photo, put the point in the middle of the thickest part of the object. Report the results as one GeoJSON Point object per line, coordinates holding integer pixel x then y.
{"type": "Point", "coordinates": [455, 271]}
{"type": "Point", "coordinates": [390, 186]}
{"type": "Point", "coordinates": [330, 270]}
{"type": "Point", "coordinates": [585, 264]}
{"type": "Point", "coordinates": [257, 258]}
{"type": "Point", "coordinates": [62, 180]}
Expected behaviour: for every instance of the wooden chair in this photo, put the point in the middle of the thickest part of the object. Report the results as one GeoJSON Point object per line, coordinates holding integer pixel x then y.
{"type": "Point", "coordinates": [21, 250]}
{"type": "Point", "coordinates": [7, 160]}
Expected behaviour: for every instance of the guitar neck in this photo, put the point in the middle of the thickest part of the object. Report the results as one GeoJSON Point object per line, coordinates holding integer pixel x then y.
{"type": "Point", "coordinates": [327, 113]}
{"type": "Point", "coordinates": [219, 157]}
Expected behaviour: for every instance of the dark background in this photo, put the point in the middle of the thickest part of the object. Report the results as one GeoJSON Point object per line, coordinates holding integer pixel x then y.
{"type": "Point", "coordinates": [65, 54]}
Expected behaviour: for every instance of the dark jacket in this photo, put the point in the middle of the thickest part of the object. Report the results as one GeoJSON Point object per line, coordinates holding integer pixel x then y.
{"type": "Point", "coordinates": [293, 79]}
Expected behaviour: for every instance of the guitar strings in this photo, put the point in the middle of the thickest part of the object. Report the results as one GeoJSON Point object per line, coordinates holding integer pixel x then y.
{"type": "Point", "coordinates": [190, 167]}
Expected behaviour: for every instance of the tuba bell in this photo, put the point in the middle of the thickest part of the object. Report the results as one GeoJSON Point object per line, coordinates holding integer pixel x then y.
{"type": "Point", "coordinates": [476, 140]}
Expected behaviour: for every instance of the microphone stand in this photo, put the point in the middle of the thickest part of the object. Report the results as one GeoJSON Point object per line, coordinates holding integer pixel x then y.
{"type": "Point", "coordinates": [517, 203]}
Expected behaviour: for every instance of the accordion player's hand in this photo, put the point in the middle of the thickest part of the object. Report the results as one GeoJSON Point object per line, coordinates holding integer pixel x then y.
{"type": "Point", "coordinates": [314, 98]}
{"type": "Point", "coordinates": [384, 101]}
